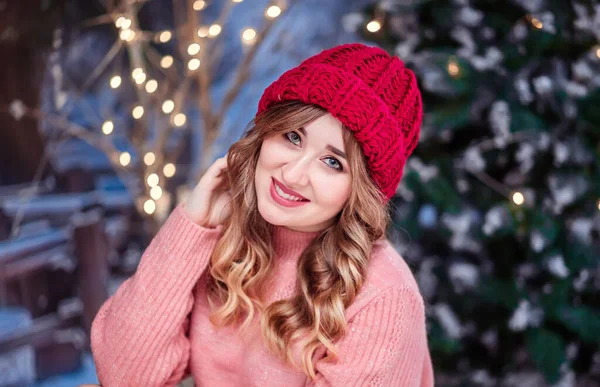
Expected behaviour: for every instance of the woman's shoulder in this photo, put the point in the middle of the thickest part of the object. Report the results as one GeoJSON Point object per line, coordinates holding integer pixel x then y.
{"type": "Point", "coordinates": [387, 271]}
{"type": "Point", "coordinates": [387, 268]}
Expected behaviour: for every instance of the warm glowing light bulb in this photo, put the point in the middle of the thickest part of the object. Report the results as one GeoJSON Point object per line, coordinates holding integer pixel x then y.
{"type": "Point", "coordinates": [155, 192]}
{"type": "Point", "coordinates": [598, 204]}
{"type": "Point", "coordinates": [126, 23]}
{"type": "Point", "coordinates": [248, 34]}
{"type": "Point", "coordinates": [537, 23]}
{"type": "Point", "coordinates": [168, 106]}
{"type": "Point", "coordinates": [149, 158]}
{"type": "Point", "coordinates": [151, 86]}
{"type": "Point", "coordinates": [137, 112]}
{"type": "Point", "coordinates": [166, 61]}
{"type": "Point", "coordinates": [169, 170]}
{"type": "Point", "coordinates": [598, 52]}
{"type": "Point", "coordinates": [199, 5]}
{"type": "Point", "coordinates": [119, 22]}
{"type": "Point", "coordinates": [179, 119]}
{"type": "Point", "coordinates": [214, 30]}
{"type": "Point", "coordinates": [137, 72]}
{"type": "Point", "coordinates": [152, 180]}
{"type": "Point", "coordinates": [107, 127]}
{"type": "Point", "coordinates": [194, 64]}
{"type": "Point", "coordinates": [203, 32]}
{"type": "Point", "coordinates": [193, 49]}
{"type": "Point", "coordinates": [373, 26]}
{"type": "Point", "coordinates": [127, 35]}
{"type": "Point", "coordinates": [149, 206]}
{"type": "Point", "coordinates": [140, 78]}
{"type": "Point", "coordinates": [165, 36]}
{"type": "Point", "coordinates": [453, 68]}
{"type": "Point", "coordinates": [123, 23]}
{"type": "Point", "coordinates": [273, 11]}
{"type": "Point", "coordinates": [518, 198]}
{"type": "Point", "coordinates": [237, 1]}
{"type": "Point", "coordinates": [115, 81]}
{"type": "Point", "coordinates": [125, 159]}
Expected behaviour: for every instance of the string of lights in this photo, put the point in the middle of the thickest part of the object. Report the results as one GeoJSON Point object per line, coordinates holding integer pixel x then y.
{"type": "Point", "coordinates": [157, 166]}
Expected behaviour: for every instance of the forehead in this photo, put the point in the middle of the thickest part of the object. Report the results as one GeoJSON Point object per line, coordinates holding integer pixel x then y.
{"type": "Point", "coordinates": [326, 130]}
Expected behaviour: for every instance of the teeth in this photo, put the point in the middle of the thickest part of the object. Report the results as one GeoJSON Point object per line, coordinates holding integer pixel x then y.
{"type": "Point", "coordinates": [286, 196]}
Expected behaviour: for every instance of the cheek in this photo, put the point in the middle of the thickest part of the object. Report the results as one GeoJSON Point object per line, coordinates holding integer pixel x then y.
{"type": "Point", "coordinates": [333, 192]}
{"type": "Point", "coordinates": [270, 152]}
{"type": "Point", "coordinates": [265, 165]}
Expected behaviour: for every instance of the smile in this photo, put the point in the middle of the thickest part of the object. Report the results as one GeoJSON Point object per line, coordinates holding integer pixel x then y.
{"type": "Point", "coordinates": [285, 199]}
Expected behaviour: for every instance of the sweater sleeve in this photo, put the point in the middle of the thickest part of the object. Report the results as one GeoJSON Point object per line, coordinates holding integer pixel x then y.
{"type": "Point", "coordinates": [385, 345]}
{"type": "Point", "coordinates": [139, 336]}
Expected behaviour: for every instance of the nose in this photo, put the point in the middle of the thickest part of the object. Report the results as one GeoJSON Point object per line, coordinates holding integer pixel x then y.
{"type": "Point", "coordinates": [295, 172]}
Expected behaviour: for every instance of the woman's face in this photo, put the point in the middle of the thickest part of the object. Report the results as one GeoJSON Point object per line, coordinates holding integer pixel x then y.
{"type": "Point", "coordinates": [307, 164]}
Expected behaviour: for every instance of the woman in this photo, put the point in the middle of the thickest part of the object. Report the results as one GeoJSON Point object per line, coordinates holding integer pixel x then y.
{"type": "Point", "coordinates": [276, 271]}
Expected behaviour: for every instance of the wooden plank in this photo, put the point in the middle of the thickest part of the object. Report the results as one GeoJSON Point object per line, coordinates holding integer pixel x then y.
{"type": "Point", "coordinates": [33, 228]}
{"type": "Point", "coordinates": [48, 205]}
{"type": "Point", "coordinates": [91, 249]}
{"type": "Point", "coordinates": [13, 249]}
{"type": "Point", "coordinates": [53, 257]}
{"type": "Point", "coordinates": [40, 333]}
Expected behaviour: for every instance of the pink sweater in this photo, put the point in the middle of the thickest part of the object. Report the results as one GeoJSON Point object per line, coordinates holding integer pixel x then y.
{"type": "Point", "coordinates": [155, 330]}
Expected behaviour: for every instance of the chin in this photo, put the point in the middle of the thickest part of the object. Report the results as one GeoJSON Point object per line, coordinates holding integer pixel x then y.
{"type": "Point", "coordinates": [270, 213]}
{"type": "Point", "coordinates": [266, 211]}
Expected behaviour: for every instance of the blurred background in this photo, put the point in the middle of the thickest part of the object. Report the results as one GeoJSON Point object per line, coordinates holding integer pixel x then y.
{"type": "Point", "coordinates": [110, 111]}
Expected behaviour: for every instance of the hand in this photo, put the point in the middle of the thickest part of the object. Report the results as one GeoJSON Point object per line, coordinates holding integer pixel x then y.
{"type": "Point", "coordinates": [209, 203]}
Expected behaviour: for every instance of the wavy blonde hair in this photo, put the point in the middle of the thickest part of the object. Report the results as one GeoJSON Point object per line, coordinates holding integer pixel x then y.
{"type": "Point", "coordinates": [331, 270]}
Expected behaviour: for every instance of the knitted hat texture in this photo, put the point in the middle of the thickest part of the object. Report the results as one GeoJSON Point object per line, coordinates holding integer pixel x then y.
{"type": "Point", "coordinates": [371, 93]}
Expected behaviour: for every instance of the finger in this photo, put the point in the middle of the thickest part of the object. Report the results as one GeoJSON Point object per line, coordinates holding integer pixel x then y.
{"type": "Point", "coordinates": [215, 168]}
{"type": "Point", "coordinates": [221, 165]}
{"type": "Point", "coordinates": [215, 182]}
{"type": "Point", "coordinates": [210, 180]}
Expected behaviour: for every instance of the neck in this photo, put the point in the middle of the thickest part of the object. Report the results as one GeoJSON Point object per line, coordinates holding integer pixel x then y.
{"type": "Point", "coordinates": [287, 240]}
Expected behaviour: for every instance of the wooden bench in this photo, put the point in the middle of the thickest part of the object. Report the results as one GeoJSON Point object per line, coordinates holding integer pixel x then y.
{"type": "Point", "coordinates": [57, 340]}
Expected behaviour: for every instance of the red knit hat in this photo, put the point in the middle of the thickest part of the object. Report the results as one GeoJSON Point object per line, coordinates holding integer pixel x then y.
{"type": "Point", "coordinates": [371, 93]}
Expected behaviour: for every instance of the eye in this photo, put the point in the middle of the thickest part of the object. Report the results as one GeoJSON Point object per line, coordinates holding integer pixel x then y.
{"type": "Point", "coordinates": [331, 162]}
{"type": "Point", "coordinates": [293, 137]}
{"type": "Point", "coordinates": [335, 163]}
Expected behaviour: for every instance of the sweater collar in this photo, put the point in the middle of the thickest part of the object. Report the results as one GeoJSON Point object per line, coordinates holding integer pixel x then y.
{"type": "Point", "coordinates": [287, 240]}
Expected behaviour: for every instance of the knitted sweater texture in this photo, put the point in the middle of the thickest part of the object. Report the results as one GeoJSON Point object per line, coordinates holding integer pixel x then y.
{"type": "Point", "coordinates": [155, 331]}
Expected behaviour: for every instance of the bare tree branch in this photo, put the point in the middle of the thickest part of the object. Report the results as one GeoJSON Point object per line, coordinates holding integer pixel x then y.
{"type": "Point", "coordinates": [106, 60]}
{"type": "Point", "coordinates": [75, 130]}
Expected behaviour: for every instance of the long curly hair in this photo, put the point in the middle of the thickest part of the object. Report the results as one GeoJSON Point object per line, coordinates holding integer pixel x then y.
{"type": "Point", "coordinates": [331, 270]}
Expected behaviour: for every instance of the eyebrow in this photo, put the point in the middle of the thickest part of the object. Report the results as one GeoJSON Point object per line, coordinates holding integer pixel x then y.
{"type": "Point", "coordinates": [328, 147]}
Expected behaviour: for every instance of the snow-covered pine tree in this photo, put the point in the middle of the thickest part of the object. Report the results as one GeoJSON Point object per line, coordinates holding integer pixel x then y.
{"type": "Point", "coordinates": [499, 209]}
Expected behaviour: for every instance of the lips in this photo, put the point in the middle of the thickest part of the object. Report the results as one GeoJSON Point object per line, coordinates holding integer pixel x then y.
{"type": "Point", "coordinates": [277, 198]}
{"type": "Point", "coordinates": [289, 191]}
